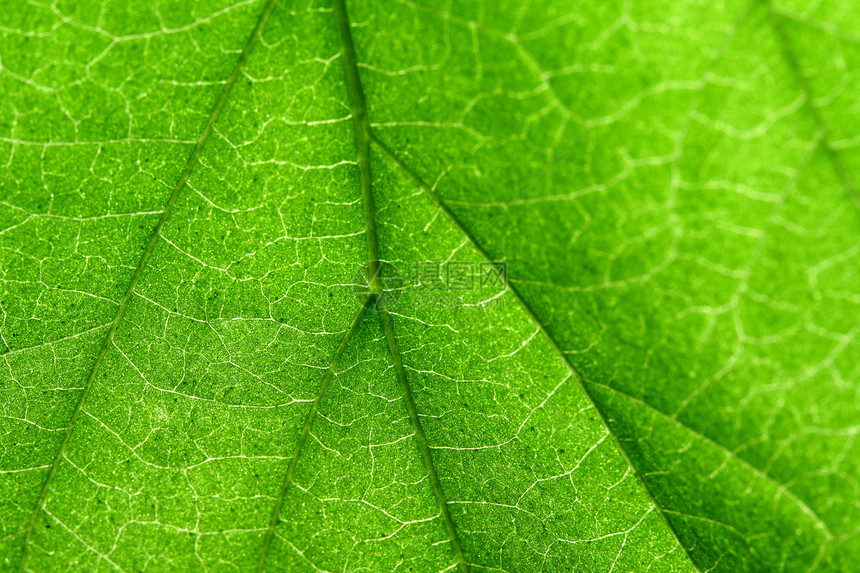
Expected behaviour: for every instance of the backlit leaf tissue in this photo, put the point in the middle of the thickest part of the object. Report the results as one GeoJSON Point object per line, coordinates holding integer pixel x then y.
{"type": "Point", "coordinates": [428, 286]}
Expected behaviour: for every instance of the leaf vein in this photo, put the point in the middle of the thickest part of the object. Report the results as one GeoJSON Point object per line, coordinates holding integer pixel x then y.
{"type": "Point", "coordinates": [144, 259]}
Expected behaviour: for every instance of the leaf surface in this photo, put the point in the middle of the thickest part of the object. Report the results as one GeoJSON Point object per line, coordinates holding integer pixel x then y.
{"type": "Point", "coordinates": [197, 374]}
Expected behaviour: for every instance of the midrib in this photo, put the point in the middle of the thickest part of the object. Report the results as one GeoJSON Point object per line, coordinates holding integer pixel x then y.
{"type": "Point", "coordinates": [363, 136]}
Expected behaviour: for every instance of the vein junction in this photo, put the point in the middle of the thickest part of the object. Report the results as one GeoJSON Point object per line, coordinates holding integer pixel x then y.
{"type": "Point", "coordinates": [363, 136]}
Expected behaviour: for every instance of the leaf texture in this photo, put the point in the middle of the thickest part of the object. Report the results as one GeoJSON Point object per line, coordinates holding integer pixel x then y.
{"type": "Point", "coordinates": [197, 374]}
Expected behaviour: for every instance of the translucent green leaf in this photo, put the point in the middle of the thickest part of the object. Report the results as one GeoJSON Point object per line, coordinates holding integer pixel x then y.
{"type": "Point", "coordinates": [429, 286]}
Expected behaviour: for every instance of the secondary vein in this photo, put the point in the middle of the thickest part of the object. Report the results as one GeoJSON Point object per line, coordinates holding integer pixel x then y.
{"type": "Point", "coordinates": [823, 136]}
{"type": "Point", "coordinates": [306, 429]}
{"type": "Point", "coordinates": [790, 56]}
{"type": "Point", "coordinates": [138, 272]}
{"type": "Point", "coordinates": [428, 191]}
{"type": "Point", "coordinates": [423, 445]}
{"type": "Point", "coordinates": [363, 136]}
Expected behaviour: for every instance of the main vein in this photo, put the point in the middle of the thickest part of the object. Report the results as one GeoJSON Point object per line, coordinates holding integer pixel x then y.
{"type": "Point", "coordinates": [144, 259]}
{"type": "Point", "coordinates": [306, 429]}
{"type": "Point", "coordinates": [363, 136]}
{"type": "Point", "coordinates": [361, 126]}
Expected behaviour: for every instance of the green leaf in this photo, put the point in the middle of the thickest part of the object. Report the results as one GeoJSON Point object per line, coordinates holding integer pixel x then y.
{"type": "Point", "coordinates": [642, 355]}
